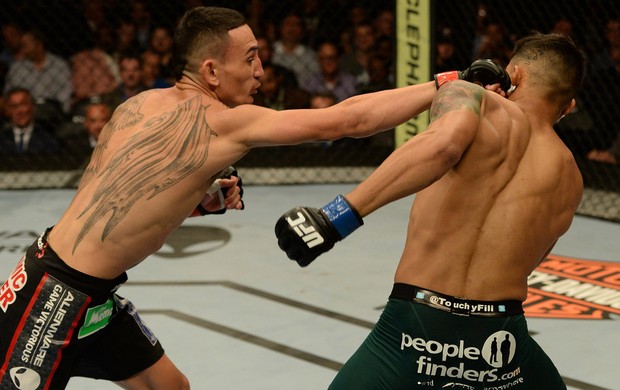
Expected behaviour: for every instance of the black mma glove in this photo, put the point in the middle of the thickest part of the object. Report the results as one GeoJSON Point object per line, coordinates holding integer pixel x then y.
{"type": "Point", "coordinates": [485, 72]}
{"type": "Point", "coordinates": [304, 232]}
{"type": "Point", "coordinates": [217, 191]}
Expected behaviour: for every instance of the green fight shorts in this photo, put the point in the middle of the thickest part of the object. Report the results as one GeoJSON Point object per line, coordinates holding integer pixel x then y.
{"type": "Point", "coordinates": [427, 340]}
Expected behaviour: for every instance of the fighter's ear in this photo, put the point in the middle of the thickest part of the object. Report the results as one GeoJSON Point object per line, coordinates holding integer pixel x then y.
{"type": "Point", "coordinates": [516, 74]}
{"type": "Point", "coordinates": [209, 72]}
{"type": "Point", "coordinates": [569, 108]}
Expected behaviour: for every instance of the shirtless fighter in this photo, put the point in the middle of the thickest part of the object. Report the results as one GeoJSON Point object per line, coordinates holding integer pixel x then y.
{"type": "Point", "coordinates": [495, 189]}
{"type": "Point", "coordinates": [155, 160]}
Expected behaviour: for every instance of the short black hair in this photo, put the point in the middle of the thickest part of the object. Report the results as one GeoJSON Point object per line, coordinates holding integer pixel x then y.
{"type": "Point", "coordinates": [202, 31]}
{"type": "Point", "coordinates": [555, 64]}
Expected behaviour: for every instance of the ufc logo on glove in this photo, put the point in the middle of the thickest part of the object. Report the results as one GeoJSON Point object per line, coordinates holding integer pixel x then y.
{"type": "Point", "coordinates": [309, 234]}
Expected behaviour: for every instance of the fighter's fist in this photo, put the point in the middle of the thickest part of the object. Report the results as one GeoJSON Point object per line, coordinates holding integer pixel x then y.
{"type": "Point", "coordinates": [304, 232]}
{"type": "Point", "coordinates": [484, 71]}
{"type": "Point", "coordinates": [225, 193]}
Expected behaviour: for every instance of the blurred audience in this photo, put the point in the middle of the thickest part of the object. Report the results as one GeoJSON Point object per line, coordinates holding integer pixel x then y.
{"type": "Point", "coordinates": [160, 43]}
{"type": "Point", "coordinates": [22, 134]}
{"type": "Point", "coordinates": [322, 100]}
{"type": "Point", "coordinates": [356, 61]}
{"type": "Point", "coordinates": [495, 44]}
{"type": "Point", "coordinates": [290, 51]}
{"type": "Point", "coordinates": [330, 78]}
{"type": "Point", "coordinates": [46, 75]}
{"type": "Point", "coordinates": [611, 35]}
{"type": "Point", "coordinates": [379, 75]}
{"type": "Point", "coordinates": [601, 96]}
{"type": "Point", "coordinates": [151, 71]}
{"type": "Point", "coordinates": [275, 94]}
{"type": "Point", "coordinates": [130, 66]}
{"type": "Point", "coordinates": [93, 72]}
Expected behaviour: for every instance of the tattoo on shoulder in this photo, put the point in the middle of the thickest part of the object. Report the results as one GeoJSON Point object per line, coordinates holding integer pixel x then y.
{"type": "Point", "coordinates": [167, 149]}
{"type": "Point", "coordinates": [457, 96]}
{"type": "Point", "coordinates": [126, 115]}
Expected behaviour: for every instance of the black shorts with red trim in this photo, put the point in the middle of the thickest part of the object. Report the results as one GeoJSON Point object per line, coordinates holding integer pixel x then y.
{"type": "Point", "coordinates": [56, 322]}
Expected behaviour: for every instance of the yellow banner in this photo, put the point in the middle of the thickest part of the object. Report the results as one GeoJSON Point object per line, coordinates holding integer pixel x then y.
{"type": "Point", "coordinates": [413, 57]}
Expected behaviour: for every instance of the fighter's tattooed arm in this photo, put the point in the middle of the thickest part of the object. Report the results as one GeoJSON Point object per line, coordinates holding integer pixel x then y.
{"type": "Point", "coordinates": [169, 148]}
{"type": "Point", "coordinates": [457, 96]}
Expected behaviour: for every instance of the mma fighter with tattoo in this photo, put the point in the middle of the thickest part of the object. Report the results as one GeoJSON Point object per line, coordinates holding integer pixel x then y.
{"type": "Point", "coordinates": [495, 188]}
{"type": "Point", "coordinates": [164, 152]}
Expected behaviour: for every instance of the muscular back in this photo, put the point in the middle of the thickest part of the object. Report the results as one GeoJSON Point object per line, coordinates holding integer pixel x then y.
{"type": "Point", "coordinates": [150, 167]}
{"type": "Point", "coordinates": [484, 226]}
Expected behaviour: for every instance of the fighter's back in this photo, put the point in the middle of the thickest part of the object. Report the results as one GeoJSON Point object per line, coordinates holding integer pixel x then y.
{"type": "Point", "coordinates": [149, 166]}
{"type": "Point", "coordinates": [482, 228]}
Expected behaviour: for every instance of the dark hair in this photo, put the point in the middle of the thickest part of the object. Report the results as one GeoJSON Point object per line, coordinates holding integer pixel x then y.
{"type": "Point", "coordinates": [202, 32]}
{"type": "Point", "coordinates": [16, 90]}
{"type": "Point", "coordinates": [555, 65]}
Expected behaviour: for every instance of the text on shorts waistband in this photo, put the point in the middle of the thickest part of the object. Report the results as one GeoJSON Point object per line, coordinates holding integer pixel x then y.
{"type": "Point", "coordinates": [465, 307]}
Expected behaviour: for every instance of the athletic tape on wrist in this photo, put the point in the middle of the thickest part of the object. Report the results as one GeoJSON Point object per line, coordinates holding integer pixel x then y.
{"type": "Point", "coordinates": [343, 216]}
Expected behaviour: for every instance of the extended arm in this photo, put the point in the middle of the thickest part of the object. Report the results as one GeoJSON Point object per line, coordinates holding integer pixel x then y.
{"type": "Point", "coordinates": [425, 158]}
{"type": "Point", "coordinates": [304, 233]}
{"type": "Point", "coordinates": [358, 116]}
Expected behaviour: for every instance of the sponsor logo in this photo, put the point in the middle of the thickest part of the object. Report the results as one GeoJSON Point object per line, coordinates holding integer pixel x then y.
{"type": "Point", "coordinates": [310, 236]}
{"type": "Point", "coordinates": [562, 287]}
{"type": "Point", "coordinates": [47, 325]}
{"type": "Point", "coordinates": [497, 351]}
{"type": "Point", "coordinates": [25, 378]}
{"type": "Point", "coordinates": [16, 282]}
{"type": "Point", "coordinates": [54, 310]}
{"type": "Point", "coordinates": [96, 318]}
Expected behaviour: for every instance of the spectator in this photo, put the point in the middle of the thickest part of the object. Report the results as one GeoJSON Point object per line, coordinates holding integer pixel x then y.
{"type": "Point", "coordinates": [265, 53]}
{"type": "Point", "coordinates": [275, 94]}
{"type": "Point", "coordinates": [384, 24]}
{"type": "Point", "coordinates": [11, 51]}
{"type": "Point", "coordinates": [24, 140]}
{"type": "Point", "coordinates": [80, 139]}
{"type": "Point", "coordinates": [330, 78]}
{"type": "Point", "coordinates": [601, 96]}
{"type": "Point", "coordinates": [160, 43]}
{"type": "Point", "coordinates": [562, 26]}
{"type": "Point", "coordinates": [259, 20]}
{"type": "Point", "coordinates": [312, 16]}
{"type": "Point", "coordinates": [322, 100]}
{"type": "Point", "coordinates": [445, 58]}
{"type": "Point", "coordinates": [130, 66]}
{"type": "Point", "coordinates": [356, 61]}
{"type": "Point", "coordinates": [140, 17]}
{"type": "Point", "coordinates": [11, 44]}
{"type": "Point", "coordinates": [151, 71]}
{"type": "Point", "coordinates": [94, 72]}
{"type": "Point", "coordinates": [126, 40]}
{"type": "Point", "coordinates": [378, 75]}
{"type": "Point", "coordinates": [97, 116]}
{"type": "Point", "coordinates": [290, 52]}
{"type": "Point", "coordinates": [45, 75]}
{"type": "Point", "coordinates": [603, 59]}
{"type": "Point", "coordinates": [495, 44]}
{"type": "Point", "coordinates": [95, 14]}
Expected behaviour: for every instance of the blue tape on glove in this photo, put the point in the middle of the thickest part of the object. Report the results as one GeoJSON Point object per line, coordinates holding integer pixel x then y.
{"type": "Point", "coordinates": [344, 218]}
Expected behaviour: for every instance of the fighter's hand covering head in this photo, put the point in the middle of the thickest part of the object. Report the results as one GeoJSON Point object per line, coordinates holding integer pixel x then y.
{"type": "Point", "coordinates": [304, 232]}
{"type": "Point", "coordinates": [484, 71]}
{"type": "Point", "coordinates": [225, 193]}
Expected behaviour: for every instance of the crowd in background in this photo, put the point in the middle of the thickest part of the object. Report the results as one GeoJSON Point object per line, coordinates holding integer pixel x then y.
{"type": "Point", "coordinates": [63, 62]}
